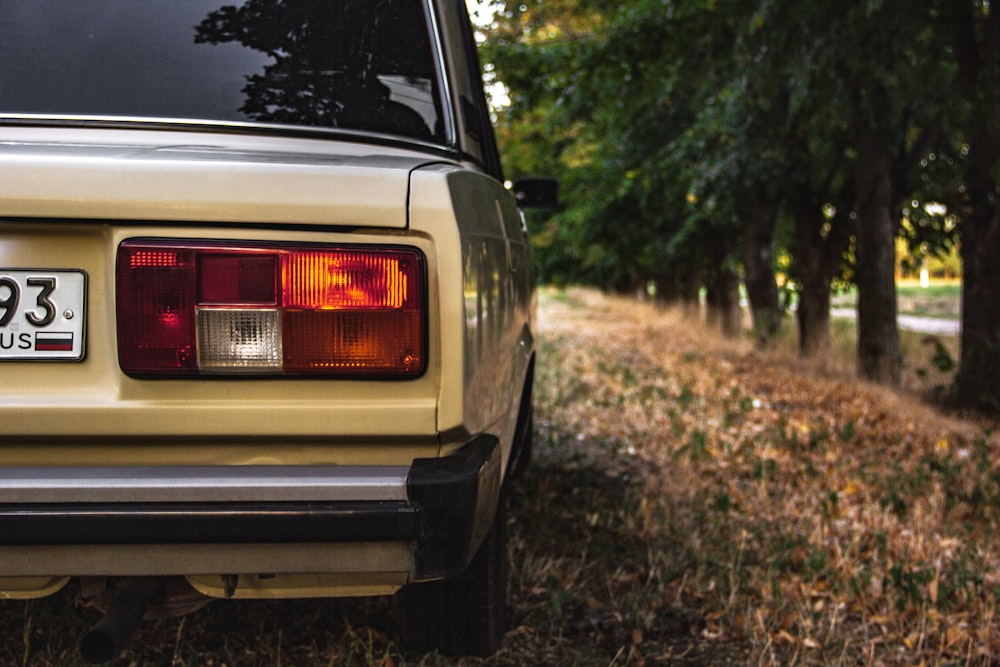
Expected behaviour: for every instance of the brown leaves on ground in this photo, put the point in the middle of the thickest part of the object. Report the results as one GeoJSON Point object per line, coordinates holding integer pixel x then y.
{"type": "Point", "coordinates": [817, 520]}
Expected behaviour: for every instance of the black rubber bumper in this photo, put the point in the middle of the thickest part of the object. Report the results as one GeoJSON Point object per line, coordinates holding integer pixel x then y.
{"type": "Point", "coordinates": [180, 523]}
{"type": "Point", "coordinates": [451, 502]}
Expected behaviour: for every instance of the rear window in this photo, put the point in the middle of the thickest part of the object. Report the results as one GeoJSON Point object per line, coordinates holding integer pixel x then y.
{"type": "Point", "coordinates": [354, 64]}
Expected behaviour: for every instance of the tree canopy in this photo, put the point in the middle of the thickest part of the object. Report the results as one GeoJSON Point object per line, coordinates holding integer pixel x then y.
{"type": "Point", "coordinates": [697, 140]}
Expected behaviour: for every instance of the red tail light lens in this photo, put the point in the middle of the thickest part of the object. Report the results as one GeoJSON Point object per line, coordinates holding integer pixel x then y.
{"type": "Point", "coordinates": [156, 310]}
{"type": "Point", "coordinates": [222, 308]}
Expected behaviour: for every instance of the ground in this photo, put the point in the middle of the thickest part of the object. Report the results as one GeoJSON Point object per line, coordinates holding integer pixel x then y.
{"type": "Point", "coordinates": [692, 501]}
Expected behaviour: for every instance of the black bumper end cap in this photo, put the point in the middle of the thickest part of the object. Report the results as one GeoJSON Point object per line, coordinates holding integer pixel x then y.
{"type": "Point", "coordinates": [457, 496]}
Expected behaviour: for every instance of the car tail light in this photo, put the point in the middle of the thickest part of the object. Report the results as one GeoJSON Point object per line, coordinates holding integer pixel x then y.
{"type": "Point", "coordinates": [212, 308]}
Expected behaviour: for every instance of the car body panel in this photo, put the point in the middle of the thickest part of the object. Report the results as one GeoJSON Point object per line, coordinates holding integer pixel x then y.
{"type": "Point", "coordinates": [491, 300]}
{"type": "Point", "coordinates": [138, 175]}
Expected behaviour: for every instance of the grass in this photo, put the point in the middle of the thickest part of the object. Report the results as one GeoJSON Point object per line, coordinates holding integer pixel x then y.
{"type": "Point", "coordinates": [692, 502]}
{"type": "Point", "coordinates": [939, 289]}
{"type": "Point", "coordinates": [929, 361]}
{"type": "Point", "coordinates": [807, 520]}
{"type": "Point", "coordinates": [940, 299]}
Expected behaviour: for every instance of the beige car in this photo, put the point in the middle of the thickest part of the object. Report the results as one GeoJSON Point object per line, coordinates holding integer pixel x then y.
{"type": "Point", "coordinates": [266, 310]}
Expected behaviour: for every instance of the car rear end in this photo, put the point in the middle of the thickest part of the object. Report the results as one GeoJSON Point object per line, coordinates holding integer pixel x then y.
{"type": "Point", "coordinates": [168, 355]}
{"type": "Point", "coordinates": [277, 349]}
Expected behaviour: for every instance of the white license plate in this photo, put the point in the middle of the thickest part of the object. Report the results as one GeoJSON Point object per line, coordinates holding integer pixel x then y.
{"type": "Point", "coordinates": [42, 314]}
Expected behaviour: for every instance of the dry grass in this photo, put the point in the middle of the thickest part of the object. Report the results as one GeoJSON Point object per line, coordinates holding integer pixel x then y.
{"type": "Point", "coordinates": [692, 502]}
{"type": "Point", "coordinates": [814, 520]}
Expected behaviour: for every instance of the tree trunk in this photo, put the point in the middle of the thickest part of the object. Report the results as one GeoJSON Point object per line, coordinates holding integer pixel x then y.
{"type": "Point", "coordinates": [815, 274]}
{"type": "Point", "coordinates": [679, 288]}
{"type": "Point", "coordinates": [879, 355]}
{"type": "Point", "coordinates": [723, 300]}
{"type": "Point", "coordinates": [978, 379]}
{"type": "Point", "coordinates": [758, 265]}
{"type": "Point", "coordinates": [813, 317]}
{"type": "Point", "coordinates": [819, 249]}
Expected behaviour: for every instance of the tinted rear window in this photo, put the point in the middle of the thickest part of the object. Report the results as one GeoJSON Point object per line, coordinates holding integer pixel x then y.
{"type": "Point", "coordinates": [356, 64]}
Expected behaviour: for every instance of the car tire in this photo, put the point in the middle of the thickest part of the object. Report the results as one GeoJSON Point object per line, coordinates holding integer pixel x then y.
{"type": "Point", "coordinates": [465, 614]}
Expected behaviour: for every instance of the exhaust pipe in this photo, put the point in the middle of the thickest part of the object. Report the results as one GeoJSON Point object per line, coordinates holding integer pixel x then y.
{"type": "Point", "coordinates": [106, 639]}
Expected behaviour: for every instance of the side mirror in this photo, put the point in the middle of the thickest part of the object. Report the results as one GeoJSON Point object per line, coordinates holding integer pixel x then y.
{"type": "Point", "coordinates": [536, 192]}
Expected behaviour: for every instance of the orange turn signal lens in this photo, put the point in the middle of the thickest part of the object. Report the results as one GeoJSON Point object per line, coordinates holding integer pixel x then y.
{"type": "Point", "coordinates": [350, 311]}
{"type": "Point", "coordinates": [347, 279]}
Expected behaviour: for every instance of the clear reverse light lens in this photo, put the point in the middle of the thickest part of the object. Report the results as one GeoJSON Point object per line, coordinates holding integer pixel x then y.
{"type": "Point", "coordinates": [239, 339]}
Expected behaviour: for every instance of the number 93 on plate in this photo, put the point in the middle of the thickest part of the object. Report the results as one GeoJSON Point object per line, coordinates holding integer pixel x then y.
{"type": "Point", "coordinates": [42, 314]}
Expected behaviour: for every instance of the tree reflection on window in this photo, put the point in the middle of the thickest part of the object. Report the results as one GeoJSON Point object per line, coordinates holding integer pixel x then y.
{"type": "Point", "coordinates": [356, 64]}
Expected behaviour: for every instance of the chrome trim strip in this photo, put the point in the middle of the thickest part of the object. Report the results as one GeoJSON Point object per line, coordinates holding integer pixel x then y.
{"type": "Point", "coordinates": [230, 127]}
{"type": "Point", "coordinates": [203, 484]}
{"type": "Point", "coordinates": [447, 103]}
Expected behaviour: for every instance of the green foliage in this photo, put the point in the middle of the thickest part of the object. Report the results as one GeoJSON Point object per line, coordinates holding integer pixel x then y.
{"type": "Point", "coordinates": [941, 358]}
{"type": "Point", "coordinates": [613, 93]}
{"type": "Point", "coordinates": [672, 124]}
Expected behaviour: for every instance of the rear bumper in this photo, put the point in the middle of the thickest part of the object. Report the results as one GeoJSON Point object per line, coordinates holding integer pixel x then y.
{"type": "Point", "coordinates": [441, 507]}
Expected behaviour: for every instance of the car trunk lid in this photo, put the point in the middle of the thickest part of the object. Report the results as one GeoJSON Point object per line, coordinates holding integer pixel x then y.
{"type": "Point", "coordinates": [189, 177]}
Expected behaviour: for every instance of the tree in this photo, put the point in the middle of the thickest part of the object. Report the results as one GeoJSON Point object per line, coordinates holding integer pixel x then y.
{"type": "Point", "coordinates": [976, 35]}
{"type": "Point", "coordinates": [821, 237]}
{"type": "Point", "coordinates": [322, 69]}
{"type": "Point", "coordinates": [852, 72]}
{"type": "Point", "coordinates": [797, 151]}
{"type": "Point", "coordinates": [879, 355]}
{"type": "Point", "coordinates": [718, 127]}
{"type": "Point", "coordinates": [657, 104]}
